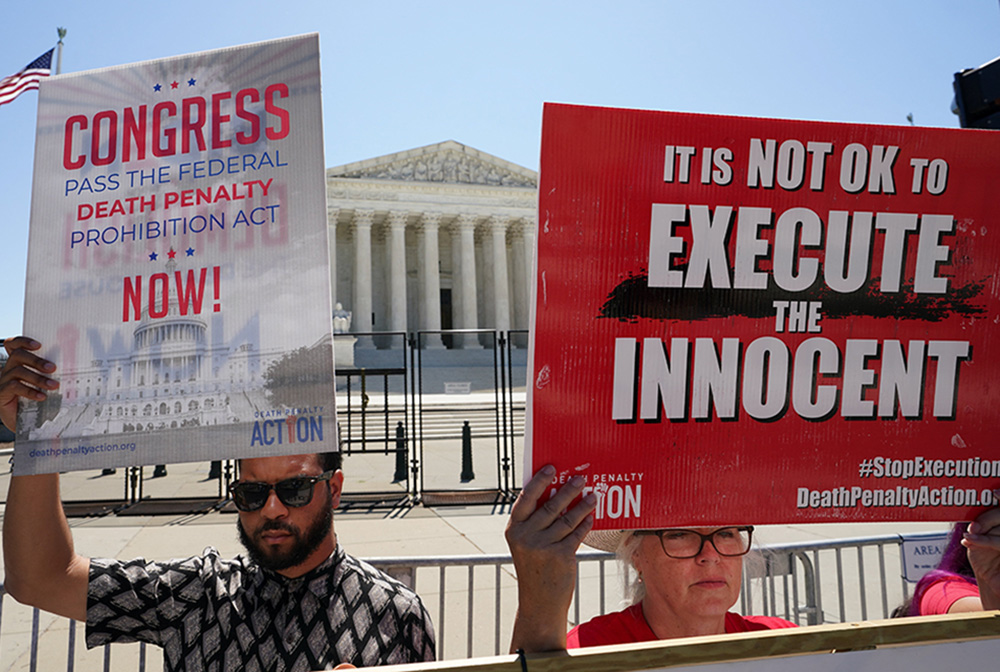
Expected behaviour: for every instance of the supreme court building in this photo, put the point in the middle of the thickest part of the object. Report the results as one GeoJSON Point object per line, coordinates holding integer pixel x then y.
{"type": "Point", "coordinates": [435, 238]}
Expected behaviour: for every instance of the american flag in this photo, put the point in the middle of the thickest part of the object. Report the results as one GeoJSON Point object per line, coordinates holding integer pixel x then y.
{"type": "Point", "coordinates": [27, 79]}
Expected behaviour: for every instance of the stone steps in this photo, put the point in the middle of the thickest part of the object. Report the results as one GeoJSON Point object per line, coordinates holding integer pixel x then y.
{"type": "Point", "coordinates": [438, 424]}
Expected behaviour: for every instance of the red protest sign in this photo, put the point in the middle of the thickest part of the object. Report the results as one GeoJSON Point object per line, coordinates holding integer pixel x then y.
{"type": "Point", "coordinates": [744, 320]}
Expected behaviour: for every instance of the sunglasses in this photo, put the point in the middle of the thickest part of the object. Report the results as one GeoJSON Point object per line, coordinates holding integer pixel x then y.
{"type": "Point", "coordinates": [295, 492]}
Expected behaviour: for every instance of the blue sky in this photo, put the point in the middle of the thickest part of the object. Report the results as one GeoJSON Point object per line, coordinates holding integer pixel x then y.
{"type": "Point", "coordinates": [398, 75]}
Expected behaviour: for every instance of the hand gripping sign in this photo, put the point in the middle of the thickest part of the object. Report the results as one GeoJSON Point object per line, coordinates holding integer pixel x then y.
{"type": "Point", "coordinates": [760, 321]}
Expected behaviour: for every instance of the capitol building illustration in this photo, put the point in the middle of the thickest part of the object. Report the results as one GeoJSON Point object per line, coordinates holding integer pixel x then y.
{"type": "Point", "coordinates": [172, 377]}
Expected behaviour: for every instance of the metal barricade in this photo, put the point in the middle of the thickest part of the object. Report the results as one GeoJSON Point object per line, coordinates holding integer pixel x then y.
{"type": "Point", "coordinates": [810, 583]}
{"type": "Point", "coordinates": [374, 410]}
{"type": "Point", "coordinates": [472, 599]}
{"type": "Point", "coordinates": [470, 386]}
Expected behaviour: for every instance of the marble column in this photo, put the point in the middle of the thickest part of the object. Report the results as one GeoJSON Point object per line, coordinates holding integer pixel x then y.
{"type": "Point", "coordinates": [524, 277]}
{"type": "Point", "coordinates": [396, 241]}
{"type": "Point", "coordinates": [331, 231]}
{"type": "Point", "coordinates": [429, 278]}
{"type": "Point", "coordinates": [361, 318]}
{"type": "Point", "coordinates": [501, 290]}
{"type": "Point", "coordinates": [530, 232]}
{"type": "Point", "coordinates": [455, 319]}
{"type": "Point", "coordinates": [465, 226]}
{"type": "Point", "coordinates": [519, 280]}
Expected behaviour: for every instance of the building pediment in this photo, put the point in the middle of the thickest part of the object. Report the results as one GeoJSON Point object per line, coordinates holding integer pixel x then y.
{"type": "Point", "coordinates": [447, 162]}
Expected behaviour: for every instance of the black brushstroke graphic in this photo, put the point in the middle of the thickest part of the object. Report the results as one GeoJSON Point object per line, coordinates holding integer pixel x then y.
{"type": "Point", "coordinates": [632, 300]}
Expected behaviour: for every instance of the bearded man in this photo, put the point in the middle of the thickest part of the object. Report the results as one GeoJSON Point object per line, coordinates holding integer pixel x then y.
{"type": "Point", "coordinates": [298, 602]}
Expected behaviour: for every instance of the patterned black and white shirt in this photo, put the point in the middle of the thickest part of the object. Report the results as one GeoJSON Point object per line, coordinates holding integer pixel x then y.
{"type": "Point", "coordinates": [219, 615]}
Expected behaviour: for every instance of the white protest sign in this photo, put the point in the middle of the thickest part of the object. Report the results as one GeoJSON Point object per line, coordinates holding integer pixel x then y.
{"type": "Point", "coordinates": [178, 271]}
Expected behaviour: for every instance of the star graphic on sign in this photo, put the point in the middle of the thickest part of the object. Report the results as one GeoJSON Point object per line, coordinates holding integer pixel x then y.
{"type": "Point", "coordinates": [190, 251]}
{"type": "Point", "coordinates": [171, 253]}
{"type": "Point", "coordinates": [157, 88]}
{"type": "Point", "coordinates": [173, 85]}
{"type": "Point", "coordinates": [192, 81]}
{"type": "Point", "coordinates": [152, 256]}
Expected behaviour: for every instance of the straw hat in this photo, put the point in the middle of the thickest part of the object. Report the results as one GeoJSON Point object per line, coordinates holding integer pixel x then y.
{"type": "Point", "coordinates": [605, 540]}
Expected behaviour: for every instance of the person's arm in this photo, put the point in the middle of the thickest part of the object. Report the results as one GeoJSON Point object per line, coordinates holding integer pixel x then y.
{"type": "Point", "coordinates": [965, 604]}
{"type": "Point", "coordinates": [543, 541]}
{"type": "Point", "coordinates": [41, 567]}
{"type": "Point", "coordinates": [983, 543]}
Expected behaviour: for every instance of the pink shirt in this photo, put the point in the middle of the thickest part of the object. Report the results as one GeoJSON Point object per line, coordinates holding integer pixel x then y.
{"type": "Point", "coordinates": [943, 593]}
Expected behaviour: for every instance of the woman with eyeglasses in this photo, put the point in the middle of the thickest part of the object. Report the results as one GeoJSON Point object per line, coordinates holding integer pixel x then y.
{"type": "Point", "coordinates": [686, 580]}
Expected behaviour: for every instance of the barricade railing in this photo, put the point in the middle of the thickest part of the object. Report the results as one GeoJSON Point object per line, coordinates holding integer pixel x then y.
{"type": "Point", "coordinates": [858, 579]}
{"type": "Point", "coordinates": [484, 349]}
{"type": "Point", "coordinates": [472, 599]}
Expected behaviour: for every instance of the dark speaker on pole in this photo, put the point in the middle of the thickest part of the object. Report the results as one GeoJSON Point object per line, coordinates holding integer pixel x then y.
{"type": "Point", "coordinates": [977, 96]}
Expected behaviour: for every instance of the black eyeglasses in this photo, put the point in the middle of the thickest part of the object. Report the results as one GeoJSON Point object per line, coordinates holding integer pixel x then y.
{"type": "Point", "coordinates": [298, 491]}
{"type": "Point", "coordinates": [683, 544]}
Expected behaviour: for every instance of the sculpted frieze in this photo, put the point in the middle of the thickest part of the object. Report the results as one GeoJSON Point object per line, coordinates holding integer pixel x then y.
{"type": "Point", "coordinates": [346, 191]}
{"type": "Point", "coordinates": [449, 167]}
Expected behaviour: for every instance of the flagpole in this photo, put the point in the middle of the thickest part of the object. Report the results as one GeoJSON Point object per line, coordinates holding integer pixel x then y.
{"type": "Point", "coordinates": [62, 34]}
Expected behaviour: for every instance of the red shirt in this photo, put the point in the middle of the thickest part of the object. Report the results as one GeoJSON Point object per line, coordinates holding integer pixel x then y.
{"type": "Point", "coordinates": [629, 626]}
{"type": "Point", "coordinates": [940, 595]}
